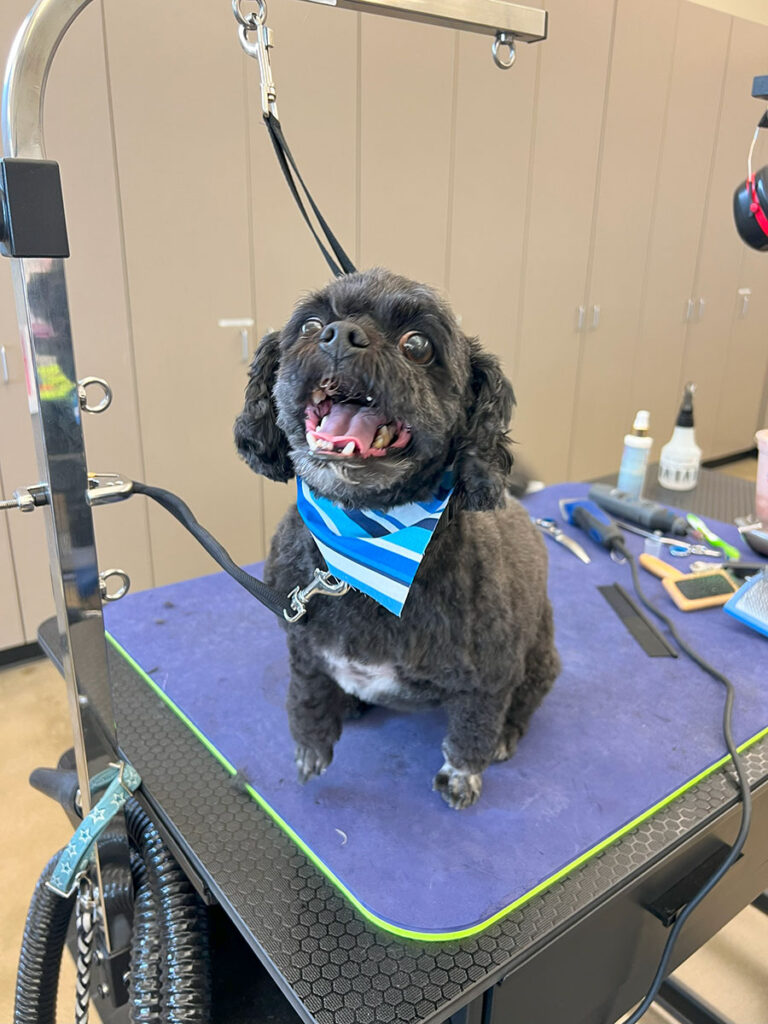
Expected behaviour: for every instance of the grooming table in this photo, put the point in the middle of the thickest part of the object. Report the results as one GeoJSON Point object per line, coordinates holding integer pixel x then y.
{"type": "Point", "coordinates": [620, 735]}
{"type": "Point", "coordinates": [589, 924]}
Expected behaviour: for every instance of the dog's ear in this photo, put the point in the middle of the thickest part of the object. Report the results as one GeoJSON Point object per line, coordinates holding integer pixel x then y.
{"type": "Point", "coordinates": [258, 438]}
{"type": "Point", "coordinates": [484, 460]}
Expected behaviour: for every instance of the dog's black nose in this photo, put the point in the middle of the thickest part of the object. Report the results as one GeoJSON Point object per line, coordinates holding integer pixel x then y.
{"type": "Point", "coordinates": [341, 335]}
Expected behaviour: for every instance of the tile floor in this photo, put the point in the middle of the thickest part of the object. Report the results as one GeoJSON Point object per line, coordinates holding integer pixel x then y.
{"type": "Point", "coordinates": [731, 971]}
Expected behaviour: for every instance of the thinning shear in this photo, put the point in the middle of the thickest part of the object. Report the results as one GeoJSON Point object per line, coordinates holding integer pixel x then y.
{"type": "Point", "coordinates": [550, 527]}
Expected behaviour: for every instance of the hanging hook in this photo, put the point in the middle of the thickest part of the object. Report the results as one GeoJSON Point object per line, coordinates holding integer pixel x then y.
{"type": "Point", "coordinates": [259, 48]}
{"type": "Point", "coordinates": [504, 39]}
{"type": "Point", "coordinates": [254, 19]}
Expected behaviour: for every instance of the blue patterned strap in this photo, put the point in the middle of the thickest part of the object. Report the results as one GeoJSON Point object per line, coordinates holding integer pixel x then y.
{"type": "Point", "coordinates": [121, 780]}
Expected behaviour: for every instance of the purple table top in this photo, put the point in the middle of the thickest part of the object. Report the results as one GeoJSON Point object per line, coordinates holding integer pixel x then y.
{"type": "Point", "coordinates": [618, 735]}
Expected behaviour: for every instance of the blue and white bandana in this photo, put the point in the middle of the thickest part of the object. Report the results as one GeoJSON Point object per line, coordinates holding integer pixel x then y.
{"type": "Point", "coordinates": [377, 552]}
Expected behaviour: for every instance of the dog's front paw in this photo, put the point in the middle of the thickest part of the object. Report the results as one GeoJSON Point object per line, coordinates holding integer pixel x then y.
{"type": "Point", "coordinates": [312, 761]}
{"type": "Point", "coordinates": [458, 789]}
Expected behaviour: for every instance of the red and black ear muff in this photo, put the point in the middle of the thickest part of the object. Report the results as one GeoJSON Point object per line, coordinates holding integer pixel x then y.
{"type": "Point", "coordinates": [750, 200]}
{"type": "Point", "coordinates": [750, 210]}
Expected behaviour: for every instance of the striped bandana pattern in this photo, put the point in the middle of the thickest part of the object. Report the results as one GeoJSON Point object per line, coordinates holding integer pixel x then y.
{"type": "Point", "coordinates": [377, 552]}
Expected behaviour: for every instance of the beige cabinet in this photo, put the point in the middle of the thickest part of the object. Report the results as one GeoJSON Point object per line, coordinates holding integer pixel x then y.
{"type": "Point", "coordinates": [741, 368]}
{"type": "Point", "coordinates": [641, 63]}
{"type": "Point", "coordinates": [690, 132]}
{"type": "Point", "coordinates": [564, 160]}
{"type": "Point", "coordinates": [494, 120]}
{"type": "Point", "coordinates": [575, 210]}
{"type": "Point", "coordinates": [316, 66]}
{"type": "Point", "coordinates": [180, 127]}
{"type": "Point", "coordinates": [77, 134]}
{"type": "Point", "coordinates": [726, 304]}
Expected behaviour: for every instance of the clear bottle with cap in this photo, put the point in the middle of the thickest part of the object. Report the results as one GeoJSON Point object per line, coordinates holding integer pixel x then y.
{"type": "Point", "coordinates": [681, 456]}
{"type": "Point", "coordinates": [634, 459]}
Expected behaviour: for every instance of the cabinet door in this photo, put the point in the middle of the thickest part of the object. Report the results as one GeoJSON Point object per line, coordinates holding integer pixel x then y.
{"type": "Point", "coordinates": [708, 361]}
{"type": "Point", "coordinates": [11, 630]}
{"type": "Point", "coordinates": [315, 61]}
{"type": "Point", "coordinates": [643, 45]}
{"type": "Point", "coordinates": [180, 134]}
{"type": "Point", "coordinates": [741, 409]}
{"type": "Point", "coordinates": [489, 195]}
{"type": "Point", "coordinates": [569, 112]}
{"type": "Point", "coordinates": [683, 178]}
{"type": "Point", "coordinates": [78, 136]}
{"type": "Point", "coordinates": [406, 112]}
{"type": "Point", "coordinates": [735, 373]}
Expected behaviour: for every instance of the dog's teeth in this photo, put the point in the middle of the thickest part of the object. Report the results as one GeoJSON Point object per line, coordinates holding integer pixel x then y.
{"type": "Point", "coordinates": [349, 448]}
{"type": "Point", "coordinates": [322, 422]}
{"type": "Point", "coordinates": [318, 395]}
{"type": "Point", "coordinates": [382, 437]}
{"type": "Point", "coordinates": [311, 441]}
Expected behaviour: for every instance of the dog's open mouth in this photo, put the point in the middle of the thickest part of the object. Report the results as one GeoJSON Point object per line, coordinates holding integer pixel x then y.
{"type": "Point", "coordinates": [337, 425]}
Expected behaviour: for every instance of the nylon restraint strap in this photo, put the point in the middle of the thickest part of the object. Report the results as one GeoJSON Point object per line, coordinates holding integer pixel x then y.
{"type": "Point", "coordinates": [183, 513]}
{"type": "Point", "coordinates": [293, 176]}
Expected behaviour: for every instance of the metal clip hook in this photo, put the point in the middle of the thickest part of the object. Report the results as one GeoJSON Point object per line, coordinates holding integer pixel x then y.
{"type": "Point", "coordinates": [259, 48]}
{"type": "Point", "coordinates": [322, 583]}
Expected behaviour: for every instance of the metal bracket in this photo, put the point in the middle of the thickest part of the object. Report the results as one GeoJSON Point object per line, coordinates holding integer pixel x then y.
{"type": "Point", "coordinates": [104, 488]}
{"type": "Point", "coordinates": [82, 395]}
{"type": "Point", "coordinates": [322, 583]}
{"type": "Point", "coordinates": [26, 498]}
{"type": "Point", "coordinates": [122, 590]}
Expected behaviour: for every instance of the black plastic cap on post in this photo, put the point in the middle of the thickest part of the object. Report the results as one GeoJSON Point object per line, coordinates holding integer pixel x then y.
{"type": "Point", "coordinates": [32, 221]}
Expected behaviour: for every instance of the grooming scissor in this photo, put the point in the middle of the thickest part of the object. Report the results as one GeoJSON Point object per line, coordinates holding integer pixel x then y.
{"type": "Point", "coordinates": [678, 547]}
{"type": "Point", "coordinates": [550, 527]}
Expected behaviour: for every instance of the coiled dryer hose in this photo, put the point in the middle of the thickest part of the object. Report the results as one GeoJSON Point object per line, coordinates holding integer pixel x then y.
{"type": "Point", "coordinates": [170, 962]}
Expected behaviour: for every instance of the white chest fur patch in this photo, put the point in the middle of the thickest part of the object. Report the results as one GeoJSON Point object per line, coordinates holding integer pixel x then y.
{"type": "Point", "coordinates": [376, 684]}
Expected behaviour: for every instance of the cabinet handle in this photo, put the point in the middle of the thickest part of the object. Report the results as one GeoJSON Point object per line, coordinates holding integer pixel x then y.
{"type": "Point", "coordinates": [580, 314]}
{"type": "Point", "coordinates": [595, 317]}
{"type": "Point", "coordinates": [702, 304]}
{"type": "Point", "coordinates": [745, 294]}
{"type": "Point", "coordinates": [244, 325]}
{"type": "Point", "coordinates": [689, 310]}
{"type": "Point", "coordinates": [4, 365]}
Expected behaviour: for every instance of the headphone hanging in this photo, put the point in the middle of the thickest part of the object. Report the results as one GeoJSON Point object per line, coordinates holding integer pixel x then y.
{"type": "Point", "coordinates": [750, 200]}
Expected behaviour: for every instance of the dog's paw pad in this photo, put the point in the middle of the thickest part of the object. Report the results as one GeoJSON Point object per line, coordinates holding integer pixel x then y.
{"type": "Point", "coordinates": [311, 761]}
{"type": "Point", "coordinates": [458, 789]}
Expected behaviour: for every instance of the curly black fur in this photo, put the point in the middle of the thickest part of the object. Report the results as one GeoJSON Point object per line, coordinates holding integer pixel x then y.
{"type": "Point", "coordinates": [476, 631]}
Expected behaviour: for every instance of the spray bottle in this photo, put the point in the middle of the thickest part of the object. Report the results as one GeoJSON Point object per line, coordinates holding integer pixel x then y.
{"type": "Point", "coordinates": [634, 459]}
{"type": "Point", "coordinates": [681, 456]}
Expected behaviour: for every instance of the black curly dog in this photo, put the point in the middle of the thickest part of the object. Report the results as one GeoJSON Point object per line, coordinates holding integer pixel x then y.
{"type": "Point", "coordinates": [476, 632]}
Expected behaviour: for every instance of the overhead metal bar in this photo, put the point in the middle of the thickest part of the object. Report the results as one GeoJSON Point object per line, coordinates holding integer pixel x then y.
{"type": "Point", "coordinates": [490, 17]}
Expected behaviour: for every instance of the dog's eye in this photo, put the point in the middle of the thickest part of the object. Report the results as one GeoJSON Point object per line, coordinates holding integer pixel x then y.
{"type": "Point", "coordinates": [417, 347]}
{"type": "Point", "coordinates": [311, 326]}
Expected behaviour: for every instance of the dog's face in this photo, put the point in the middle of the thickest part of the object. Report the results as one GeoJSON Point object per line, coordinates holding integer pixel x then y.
{"type": "Point", "coordinates": [370, 391]}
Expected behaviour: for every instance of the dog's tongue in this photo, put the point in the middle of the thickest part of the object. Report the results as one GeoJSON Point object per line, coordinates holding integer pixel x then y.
{"type": "Point", "coordinates": [348, 421]}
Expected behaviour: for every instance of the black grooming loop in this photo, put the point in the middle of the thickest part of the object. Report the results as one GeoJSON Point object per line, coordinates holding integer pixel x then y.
{"type": "Point", "coordinates": [258, 47]}
{"type": "Point", "coordinates": [293, 607]}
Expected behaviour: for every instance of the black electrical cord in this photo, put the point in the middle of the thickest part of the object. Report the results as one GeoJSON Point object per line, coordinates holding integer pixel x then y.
{"type": "Point", "coordinates": [744, 790]}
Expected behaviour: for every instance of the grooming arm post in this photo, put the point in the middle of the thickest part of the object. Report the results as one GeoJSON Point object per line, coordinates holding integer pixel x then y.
{"type": "Point", "coordinates": [37, 264]}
